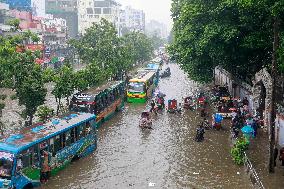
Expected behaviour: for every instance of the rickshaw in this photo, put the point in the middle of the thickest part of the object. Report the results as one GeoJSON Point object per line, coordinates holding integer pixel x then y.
{"type": "Point", "coordinates": [217, 121]}
{"type": "Point", "coordinates": [188, 103]}
{"type": "Point", "coordinates": [172, 106]}
{"type": "Point", "coordinates": [145, 121]}
{"type": "Point", "coordinates": [226, 108]}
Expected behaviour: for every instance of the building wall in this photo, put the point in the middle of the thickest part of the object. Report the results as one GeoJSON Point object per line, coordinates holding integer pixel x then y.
{"type": "Point", "coordinates": [65, 9]}
{"type": "Point", "coordinates": [132, 19]}
{"type": "Point", "coordinates": [92, 11]}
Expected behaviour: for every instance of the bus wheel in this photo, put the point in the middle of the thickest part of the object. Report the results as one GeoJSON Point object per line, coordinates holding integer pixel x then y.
{"type": "Point", "coordinates": [29, 186]}
{"type": "Point", "coordinates": [75, 158]}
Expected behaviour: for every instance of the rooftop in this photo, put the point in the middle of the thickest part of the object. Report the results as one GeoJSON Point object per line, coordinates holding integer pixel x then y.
{"type": "Point", "coordinates": [39, 132]}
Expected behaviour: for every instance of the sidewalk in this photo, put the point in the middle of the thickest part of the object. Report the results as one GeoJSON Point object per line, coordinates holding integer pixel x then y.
{"type": "Point", "coordinates": [258, 153]}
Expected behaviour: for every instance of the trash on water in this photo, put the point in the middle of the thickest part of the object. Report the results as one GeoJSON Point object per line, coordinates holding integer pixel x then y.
{"type": "Point", "coordinates": [152, 184]}
{"type": "Point", "coordinates": [238, 173]}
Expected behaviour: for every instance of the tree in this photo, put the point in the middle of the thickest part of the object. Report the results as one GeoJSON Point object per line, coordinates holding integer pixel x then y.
{"type": "Point", "coordinates": [30, 90]}
{"type": "Point", "coordinates": [64, 85]}
{"type": "Point", "coordinates": [235, 34]}
{"type": "Point", "coordinates": [44, 113]}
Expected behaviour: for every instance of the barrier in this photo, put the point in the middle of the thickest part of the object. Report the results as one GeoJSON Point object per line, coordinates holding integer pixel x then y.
{"type": "Point", "coordinates": [255, 180]}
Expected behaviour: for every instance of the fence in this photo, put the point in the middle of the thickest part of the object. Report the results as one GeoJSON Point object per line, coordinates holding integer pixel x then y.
{"type": "Point", "coordinates": [255, 180]}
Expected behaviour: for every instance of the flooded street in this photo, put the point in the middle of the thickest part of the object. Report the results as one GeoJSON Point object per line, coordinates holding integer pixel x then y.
{"type": "Point", "coordinates": [165, 157]}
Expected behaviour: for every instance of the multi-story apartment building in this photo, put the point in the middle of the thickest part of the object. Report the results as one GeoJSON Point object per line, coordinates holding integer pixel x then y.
{"type": "Point", "coordinates": [132, 20]}
{"type": "Point", "coordinates": [156, 28]}
{"type": "Point", "coordinates": [66, 9]}
{"type": "Point", "coordinates": [92, 11]}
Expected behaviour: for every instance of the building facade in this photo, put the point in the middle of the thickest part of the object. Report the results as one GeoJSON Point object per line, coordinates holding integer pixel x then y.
{"type": "Point", "coordinates": [92, 11]}
{"type": "Point", "coordinates": [65, 9]}
{"type": "Point", "coordinates": [156, 28]}
{"type": "Point", "coordinates": [132, 20]}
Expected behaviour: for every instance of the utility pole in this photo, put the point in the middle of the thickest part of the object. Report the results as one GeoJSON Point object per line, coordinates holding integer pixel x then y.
{"type": "Point", "coordinates": [273, 94]}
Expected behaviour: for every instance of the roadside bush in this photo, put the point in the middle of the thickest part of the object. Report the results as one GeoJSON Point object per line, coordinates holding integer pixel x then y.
{"type": "Point", "coordinates": [238, 150]}
{"type": "Point", "coordinates": [2, 106]}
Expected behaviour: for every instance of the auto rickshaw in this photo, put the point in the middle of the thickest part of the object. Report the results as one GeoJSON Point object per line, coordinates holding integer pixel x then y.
{"type": "Point", "coordinates": [172, 106]}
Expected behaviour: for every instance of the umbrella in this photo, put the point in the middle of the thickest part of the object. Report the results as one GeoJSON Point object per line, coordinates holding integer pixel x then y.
{"type": "Point", "coordinates": [247, 129]}
{"type": "Point", "coordinates": [218, 118]}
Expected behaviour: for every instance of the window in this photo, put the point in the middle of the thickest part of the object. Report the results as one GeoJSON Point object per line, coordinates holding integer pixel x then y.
{"type": "Point", "coordinates": [82, 130]}
{"type": "Point", "coordinates": [88, 128]}
{"type": "Point", "coordinates": [74, 134]}
{"type": "Point", "coordinates": [107, 10]}
{"type": "Point", "coordinates": [57, 144]}
{"type": "Point", "coordinates": [97, 11]}
{"type": "Point", "coordinates": [26, 158]}
{"type": "Point", "coordinates": [68, 138]}
{"type": "Point", "coordinates": [90, 11]}
{"type": "Point", "coordinates": [63, 140]}
{"type": "Point", "coordinates": [6, 164]}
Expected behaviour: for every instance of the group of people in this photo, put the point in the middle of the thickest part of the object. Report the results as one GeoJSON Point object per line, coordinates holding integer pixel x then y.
{"type": "Point", "coordinates": [241, 116]}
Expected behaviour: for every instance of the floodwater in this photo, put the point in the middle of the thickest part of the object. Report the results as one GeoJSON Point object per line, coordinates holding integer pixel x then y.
{"type": "Point", "coordinates": [165, 157]}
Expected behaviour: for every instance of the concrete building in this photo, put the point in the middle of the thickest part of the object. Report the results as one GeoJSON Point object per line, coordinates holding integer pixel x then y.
{"type": "Point", "coordinates": [38, 8]}
{"type": "Point", "coordinates": [65, 9]}
{"type": "Point", "coordinates": [156, 28]}
{"type": "Point", "coordinates": [92, 11]}
{"type": "Point", "coordinates": [132, 20]}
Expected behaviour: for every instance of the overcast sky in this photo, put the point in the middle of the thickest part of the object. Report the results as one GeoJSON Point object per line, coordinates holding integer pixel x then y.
{"type": "Point", "coordinates": [154, 9]}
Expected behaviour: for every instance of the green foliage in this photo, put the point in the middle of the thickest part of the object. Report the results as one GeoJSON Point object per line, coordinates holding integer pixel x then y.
{"type": "Point", "coordinates": [15, 24]}
{"type": "Point", "coordinates": [236, 34]}
{"type": "Point", "coordinates": [108, 55]}
{"type": "Point", "coordinates": [30, 90]}
{"type": "Point", "coordinates": [3, 96]}
{"type": "Point", "coordinates": [238, 149]}
{"type": "Point", "coordinates": [44, 113]}
{"type": "Point", "coordinates": [64, 84]}
{"type": "Point", "coordinates": [2, 106]}
{"type": "Point", "coordinates": [13, 97]}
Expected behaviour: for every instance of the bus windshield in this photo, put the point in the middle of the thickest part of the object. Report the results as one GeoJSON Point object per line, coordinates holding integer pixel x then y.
{"type": "Point", "coordinates": [6, 164]}
{"type": "Point", "coordinates": [136, 87]}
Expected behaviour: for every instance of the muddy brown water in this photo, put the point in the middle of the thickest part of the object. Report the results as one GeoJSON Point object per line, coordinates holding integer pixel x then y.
{"type": "Point", "coordinates": [165, 157]}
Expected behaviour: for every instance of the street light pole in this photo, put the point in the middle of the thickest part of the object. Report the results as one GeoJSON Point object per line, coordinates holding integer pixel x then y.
{"type": "Point", "coordinates": [273, 95]}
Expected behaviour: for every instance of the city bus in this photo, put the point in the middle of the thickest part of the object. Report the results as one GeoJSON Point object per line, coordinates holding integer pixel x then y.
{"type": "Point", "coordinates": [29, 157]}
{"type": "Point", "coordinates": [141, 88]}
{"type": "Point", "coordinates": [102, 101]}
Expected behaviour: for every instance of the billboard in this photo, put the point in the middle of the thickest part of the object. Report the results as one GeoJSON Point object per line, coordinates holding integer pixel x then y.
{"type": "Point", "coordinates": [24, 5]}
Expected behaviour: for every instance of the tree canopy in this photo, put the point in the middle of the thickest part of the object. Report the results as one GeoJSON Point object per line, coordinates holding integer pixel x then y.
{"type": "Point", "coordinates": [237, 35]}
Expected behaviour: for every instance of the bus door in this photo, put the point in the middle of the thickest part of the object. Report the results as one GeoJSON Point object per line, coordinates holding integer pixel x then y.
{"type": "Point", "coordinates": [44, 162]}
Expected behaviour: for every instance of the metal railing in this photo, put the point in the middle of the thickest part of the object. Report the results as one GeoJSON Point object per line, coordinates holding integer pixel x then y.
{"type": "Point", "coordinates": [255, 180]}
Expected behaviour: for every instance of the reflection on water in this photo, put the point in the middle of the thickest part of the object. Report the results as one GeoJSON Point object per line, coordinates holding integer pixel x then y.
{"type": "Point", "coordinates": [165, 157]}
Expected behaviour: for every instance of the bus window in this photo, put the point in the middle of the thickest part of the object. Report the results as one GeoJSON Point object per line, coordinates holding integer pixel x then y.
{"type": "Point", "coordinates": [62, 140]}
{"type": "Point", "coordinates": [51, 145]}
{"type": "Point", "coordinates": [74, 134]}
{"type": "Point", "coordinates": [68, 138]}
{"type": "Point", "coordinates": [57, 144]}
{"type": "Point", "coordinates": [6, 164]}
{"type": "Point", "coordinates": [26, 158]}
{"type": "Point", "coordinates": [82, 130]}
{"type": "Point", "coordinates": [88, 127]}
